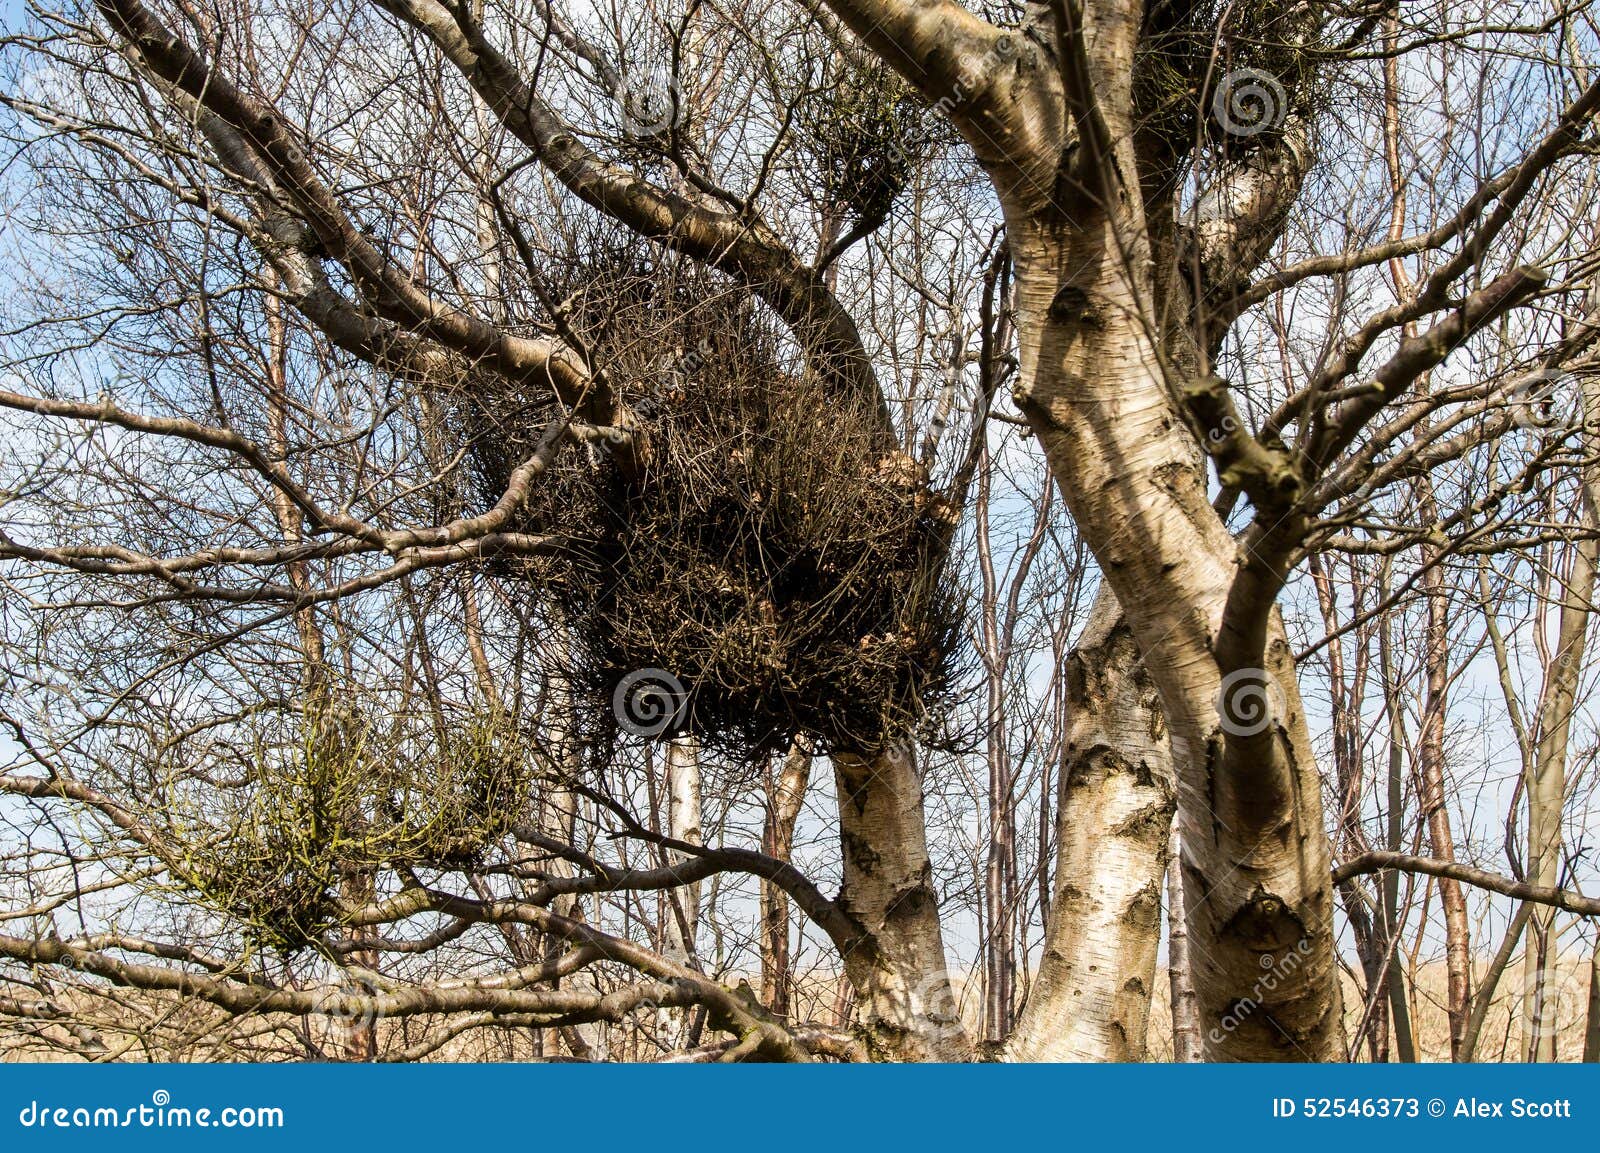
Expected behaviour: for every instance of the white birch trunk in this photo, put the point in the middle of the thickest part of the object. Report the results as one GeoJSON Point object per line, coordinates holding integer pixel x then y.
{"type": "Point", "coordinates": [906, 1005]}
{"type": "Point", "coordinates": [1256, 859]}
{"type": "Point", "coordinates": [1091, 1000]}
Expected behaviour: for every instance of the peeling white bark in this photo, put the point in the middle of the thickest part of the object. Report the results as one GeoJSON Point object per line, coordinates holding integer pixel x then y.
{"type": "Point", "coordinates": [1091, 1000]}
{"type": "Point", "coordinates": [1255, 852]}
{"type": "Point", "coordinates": [905, 1003]}
{"type": "Point", "coordinates": [683, 824]}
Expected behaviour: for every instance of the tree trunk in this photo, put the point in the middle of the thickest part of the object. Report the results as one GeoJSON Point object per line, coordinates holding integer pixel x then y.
{"type": "Point", "coordinates": [359, 1040]}
{"type": "Point", "coordinates": [784, 798]}
{"type": "Point", "coordinates": [1187, 1044]}
{"type": "Point", "coordinates": [1392, 975]}
{"type": "Point", "coordinates": [1547, 792]}
{"type": "Point", "coordinates": [1346, 690]}
{"type": "Point", "coordinates": [1256, 862]}
{"type": "Point", "coordinates": [683, 824]}
{"type": "Point", "coordinates": [562, 814]}
{"type": "Point", "coordinates": [999, 896]}
{"type": "Point", "coordinates": [1091, 998]}
{"type": "Point", "coordinates": [1591, 1031]}
{"type": "Point", "coordinates": [1458, 940]}
{"type": "Point", "coordinates": [1484, 997]}
{"type": "Point", "coordinates": [905, 1002]}
{"type": "Point", "coordinates": [682, 901]}
{"type": "Point", "coordinates": [997, 620]}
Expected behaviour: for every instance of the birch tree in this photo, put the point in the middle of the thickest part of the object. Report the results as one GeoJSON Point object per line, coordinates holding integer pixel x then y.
{"type": "Point", "coordinates": [1158, 238]}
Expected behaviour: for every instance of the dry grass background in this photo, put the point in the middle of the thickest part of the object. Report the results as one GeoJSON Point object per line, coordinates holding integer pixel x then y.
{"type": "Point", "coordinates": [1501, 1039]}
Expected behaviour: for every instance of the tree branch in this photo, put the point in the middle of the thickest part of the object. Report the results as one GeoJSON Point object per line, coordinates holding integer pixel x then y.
{"type": "Point", "coordinates": [1378, 860]}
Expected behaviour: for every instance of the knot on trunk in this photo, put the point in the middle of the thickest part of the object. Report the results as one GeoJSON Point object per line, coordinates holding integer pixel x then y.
{"type": "Point", "coordinates": [1265, 924]}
